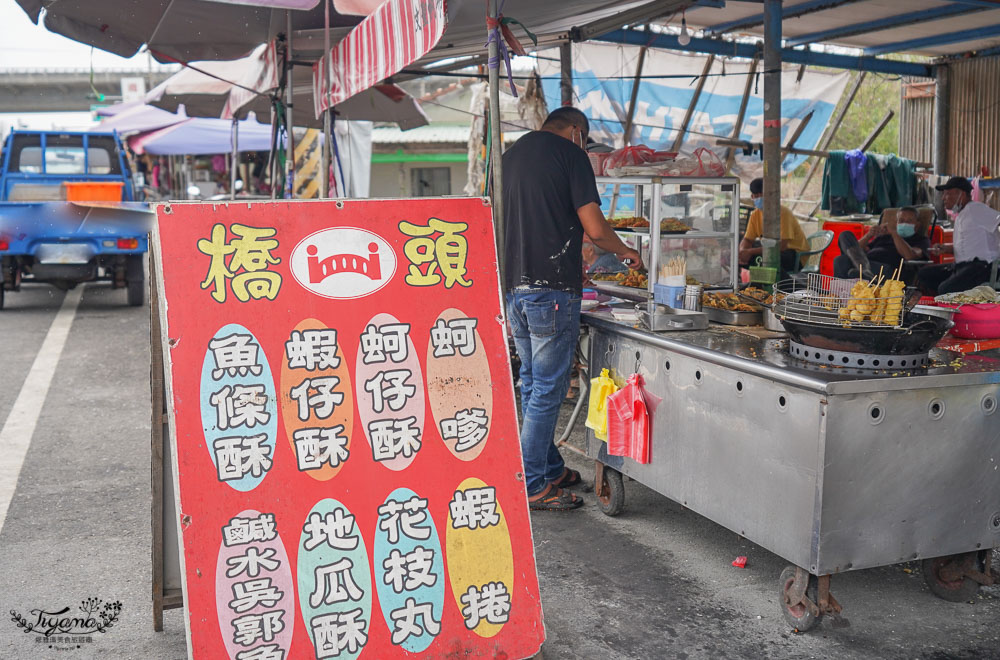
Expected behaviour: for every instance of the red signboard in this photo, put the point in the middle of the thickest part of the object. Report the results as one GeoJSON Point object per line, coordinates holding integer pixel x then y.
{"type": "Point", "coordinates": [347, 460]}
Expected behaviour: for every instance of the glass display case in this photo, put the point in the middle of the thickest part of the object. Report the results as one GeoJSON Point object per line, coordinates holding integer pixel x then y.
{"type": "Point", "coordinates": [696, 219]}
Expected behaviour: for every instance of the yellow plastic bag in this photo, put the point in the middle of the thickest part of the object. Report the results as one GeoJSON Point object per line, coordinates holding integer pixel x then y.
{"type": "Point", "coordinates": [597, 411]}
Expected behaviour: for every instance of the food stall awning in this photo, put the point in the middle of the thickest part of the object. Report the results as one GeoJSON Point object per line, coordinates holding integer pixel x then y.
{"type": "Point", "coordinates": [137, 118]}
{"type": "Point", "coordinates": [920, 27]}
{"type": "Point", "coordinates": [207, 89]}
{"type": "Point", "coordinates": [179, 30]}
{"type": "Point", "coordinates": [200, 136]}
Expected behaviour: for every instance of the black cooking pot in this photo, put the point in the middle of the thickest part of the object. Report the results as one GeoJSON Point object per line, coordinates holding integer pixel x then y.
{"type": "Point", "coordinates": [918, 335]}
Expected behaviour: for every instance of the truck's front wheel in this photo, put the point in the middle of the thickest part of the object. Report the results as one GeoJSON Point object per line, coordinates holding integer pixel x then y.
{"type": "Point", "coordinates": [134, 276]}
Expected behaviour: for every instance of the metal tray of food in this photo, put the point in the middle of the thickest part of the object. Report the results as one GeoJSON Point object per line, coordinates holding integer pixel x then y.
{"type": "Point", "coordinates": [619, 291]}
{"type": "Point", "coordinates": [733, 318]}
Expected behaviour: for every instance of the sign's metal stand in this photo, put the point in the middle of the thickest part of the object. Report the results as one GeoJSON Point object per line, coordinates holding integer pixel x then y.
{"type": "Point", "coordinates": [166, 581]}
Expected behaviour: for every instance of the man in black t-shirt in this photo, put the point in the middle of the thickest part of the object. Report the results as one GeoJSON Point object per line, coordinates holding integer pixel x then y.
{"type": "Point", "coordinates": [882, 247]}
{"type": "Point", "coordinates": [549, 200]}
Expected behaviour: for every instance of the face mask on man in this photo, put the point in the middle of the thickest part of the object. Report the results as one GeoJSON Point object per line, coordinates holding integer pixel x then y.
{"type": "Point", "coordinates": [905, 230]}
{"type": "Point", "coordinates": [759, 202]}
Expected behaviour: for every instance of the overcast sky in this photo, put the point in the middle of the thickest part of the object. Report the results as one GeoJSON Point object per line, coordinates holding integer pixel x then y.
{"type": "Point", "coordinates": [24, 45]}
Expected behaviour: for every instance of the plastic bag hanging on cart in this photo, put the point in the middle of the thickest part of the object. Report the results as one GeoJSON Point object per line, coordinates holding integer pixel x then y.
{"type": "Point", "coordinates": [628, 422]}
{"type": "Point", "coordinates": [597, 410]}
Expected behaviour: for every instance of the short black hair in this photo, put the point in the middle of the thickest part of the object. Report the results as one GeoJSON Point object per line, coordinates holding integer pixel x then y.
{"type": "Point", "coordinates": [910, 209]}
{"type": "Point", "coordinates": [565, 117]}
{"type": "Point", "coordinates": [757, 186]}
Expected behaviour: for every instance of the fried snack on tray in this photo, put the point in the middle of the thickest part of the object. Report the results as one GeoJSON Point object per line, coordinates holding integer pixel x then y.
{"type": "Point", "coordinates": [627, 223]}
{"type": "Point", "coordinates": [727, 301]}
{"type": "Point", "coordinates": [673, 225]}
{"type": "Point", "coordinates": [634, 278]}
{"type": "Point", "coordinates": [758, 294]}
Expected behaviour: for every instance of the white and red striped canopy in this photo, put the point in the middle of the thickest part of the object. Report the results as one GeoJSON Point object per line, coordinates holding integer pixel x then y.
{"type": "Point", "coordinates": [396, 34]}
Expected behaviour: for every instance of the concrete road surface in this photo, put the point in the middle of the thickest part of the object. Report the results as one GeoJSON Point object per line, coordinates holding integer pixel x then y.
{"type": "Point", "coordinates": [655, 582]}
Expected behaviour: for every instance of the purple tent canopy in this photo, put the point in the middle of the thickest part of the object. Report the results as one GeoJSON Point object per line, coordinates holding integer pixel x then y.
{"type": "Point", "coordinates": [200, 136]}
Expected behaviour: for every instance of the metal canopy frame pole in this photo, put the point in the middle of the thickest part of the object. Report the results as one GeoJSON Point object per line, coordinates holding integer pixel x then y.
{"type": "Point", "coordinates": [830, 133]}
{"type": "Point", "coordinates": [730, 153]}
{"type": "Point", "coordinates": [566, 73]}
{"type": "Point", "coordinates": [289, 89]}
{"type": "Point", "coordinates": [942, 90]}
{"type": "Point", "coordinates": [324, 181]}
{"type": "Point", "coordinates": [772, 121]}
{"type": "Point", "coordinates": [497, 151]}
{"type": "Point", "coordinates": [234, 162]}
{"type": "Point", "coordinates": [748, 50]}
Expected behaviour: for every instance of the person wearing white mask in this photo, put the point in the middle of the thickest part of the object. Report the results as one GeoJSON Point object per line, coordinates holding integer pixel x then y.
{"type": "Point", "coordinates": [898, 236]}
{"type": "Point", "coordinates": [976, 243]}
{"type": "Point", "coordinates": [792, 237]}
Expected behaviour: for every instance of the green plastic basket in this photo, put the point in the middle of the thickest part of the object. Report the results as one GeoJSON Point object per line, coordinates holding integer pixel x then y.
{"type": "Point", "coordinates": [763, 274]}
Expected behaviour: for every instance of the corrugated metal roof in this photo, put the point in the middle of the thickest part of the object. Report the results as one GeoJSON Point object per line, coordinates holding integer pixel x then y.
{"type": "Point", "coordinates": [847, 23]}
{"type": "Point", "coordinates": [432, 134]}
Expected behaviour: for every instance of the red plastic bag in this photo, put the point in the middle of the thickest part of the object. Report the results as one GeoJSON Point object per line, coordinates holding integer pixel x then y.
{"type": "Point", "coordinates": [628, 422]}
{"type": "Point", "coordinates": [704, 162]}
{"type": "Point", "coordinates": [637, 155]}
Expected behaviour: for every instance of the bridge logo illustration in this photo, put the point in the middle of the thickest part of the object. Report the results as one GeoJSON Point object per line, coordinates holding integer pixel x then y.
{"type": "Point", "coordinates": [343, 262]}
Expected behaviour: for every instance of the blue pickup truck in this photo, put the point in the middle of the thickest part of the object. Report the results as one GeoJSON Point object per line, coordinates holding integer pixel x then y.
{"type": "Point", "coordinates": [68, 213]}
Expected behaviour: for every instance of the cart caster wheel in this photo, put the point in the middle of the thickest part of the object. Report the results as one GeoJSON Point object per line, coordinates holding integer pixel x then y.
{"type": "Point", "coordinates": [948, 587]}
{"type": "Point", "coordinates": [612, 492]}
{"type": "Point", "coordinates": [799, 616]}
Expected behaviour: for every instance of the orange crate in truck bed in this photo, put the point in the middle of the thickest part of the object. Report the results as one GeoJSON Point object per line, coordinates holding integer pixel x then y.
{"type": "Point", "coordinates": [93, 191]}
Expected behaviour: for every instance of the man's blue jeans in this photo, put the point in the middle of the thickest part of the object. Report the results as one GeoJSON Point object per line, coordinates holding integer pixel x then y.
{"type": "Point", "coordinates": [545, 324]}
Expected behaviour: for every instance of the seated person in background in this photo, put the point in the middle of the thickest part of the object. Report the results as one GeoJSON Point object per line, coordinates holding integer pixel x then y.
{"type": "Point", "coordinates": [792, 238]}
{"type": "Point", "coordinates": [898, 236]}
{"type": "Point", "coordinates": [596, 260]}
{"type": "Point", "coordinates": [976, 246]}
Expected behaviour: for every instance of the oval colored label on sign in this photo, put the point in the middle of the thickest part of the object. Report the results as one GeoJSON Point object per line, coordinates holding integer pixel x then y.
{"type": "Point", "coordinates": [409, 570]}
{"type": "Point", "coordinates": [317, 400]}
{"type": "Point", "coordinates": [390, 391]}
{"type": "Point", "coordinates": [335, 582]}
{"type": "Point", "coordinates": [254, 592]}
{"type": "Point", "coordinates": [459, 385]}
{"type": "Point", "coordinates": [480, 559]}
{"type": "Point", "coordinates": [343, 262]}
{"type": "Point", "coordinates": [238, 407]}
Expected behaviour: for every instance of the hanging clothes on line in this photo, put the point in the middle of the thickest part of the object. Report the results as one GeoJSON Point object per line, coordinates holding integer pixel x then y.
{"type": "Point", "coordinates": [856, 172]}
{"type": "Point", "coordinates": [856, 182]}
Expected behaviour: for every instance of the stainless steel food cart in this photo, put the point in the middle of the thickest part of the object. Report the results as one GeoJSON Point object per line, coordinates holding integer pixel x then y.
{"type": "Point", "coordinates": [833, 469]}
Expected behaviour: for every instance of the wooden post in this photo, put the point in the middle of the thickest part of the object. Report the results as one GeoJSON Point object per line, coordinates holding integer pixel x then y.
{"type": "Point", "coordinates": [730, 153]}
{"type": "Point", "coordinates": [629, 118]}
{"type": "Point", "coordinates": [798, 131]}
{"type": "Point", "coordinates": [694, 102]}
{"type": "Point", "coordinates": [878, 130]}
{"type": "Point", "coordinates": [831, 131]}
{"type": "Point", "coordinates": [636, 82]}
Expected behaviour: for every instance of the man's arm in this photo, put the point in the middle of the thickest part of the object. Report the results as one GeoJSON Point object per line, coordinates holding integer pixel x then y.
{"type": "Point", "coordinates": [603, 236]}
{"type": "Point", "coordinates": [747, 251]}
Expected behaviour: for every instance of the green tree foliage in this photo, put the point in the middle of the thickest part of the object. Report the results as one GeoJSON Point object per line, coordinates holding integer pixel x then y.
{"type": "Point", "coordinates": [879, 93]}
